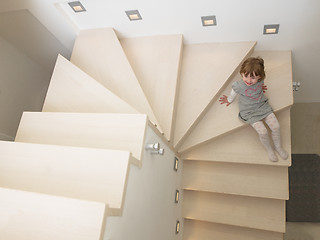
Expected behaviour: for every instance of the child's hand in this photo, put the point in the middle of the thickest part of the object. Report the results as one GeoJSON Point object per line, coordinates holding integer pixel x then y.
{"type": "Point", "coordinates": [264, 88]}
{"type": "Point", "coordinates": [224, 100]}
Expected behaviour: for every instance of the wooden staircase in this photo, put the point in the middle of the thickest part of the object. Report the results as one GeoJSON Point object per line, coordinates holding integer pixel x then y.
{"type": "Point", "coordinates": [75, 155]}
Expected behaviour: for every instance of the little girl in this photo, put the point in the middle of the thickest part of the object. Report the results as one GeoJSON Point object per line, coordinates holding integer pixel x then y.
{"type": "Point", "coordinates": [254, 107]}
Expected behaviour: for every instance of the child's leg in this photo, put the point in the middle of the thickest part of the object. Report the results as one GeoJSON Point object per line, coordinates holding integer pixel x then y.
{"type": "Point", "coordinates": [264, 138]}
{"type": "Point", "coordinates": [274, 125]}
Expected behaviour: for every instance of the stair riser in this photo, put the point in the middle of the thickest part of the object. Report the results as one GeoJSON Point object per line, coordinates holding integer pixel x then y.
{"type": "Point", "coordinates": [238, 179]}
{"type": "Point", "coordinates": [198, 230]}
{"type": "Point", "coordinates": [250, 212]}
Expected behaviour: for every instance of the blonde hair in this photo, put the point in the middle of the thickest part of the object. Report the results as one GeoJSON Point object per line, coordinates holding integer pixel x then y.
{"type": "Point", "coordinates": [253, 66]}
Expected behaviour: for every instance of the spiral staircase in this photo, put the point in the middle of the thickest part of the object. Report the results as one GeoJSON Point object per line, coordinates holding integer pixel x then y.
{"type": "Point", "coordinates": [67, 171]}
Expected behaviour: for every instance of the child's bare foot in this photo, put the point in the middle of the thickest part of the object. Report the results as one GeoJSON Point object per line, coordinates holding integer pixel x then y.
{"type": "Point", "coordinates": [283, 153]}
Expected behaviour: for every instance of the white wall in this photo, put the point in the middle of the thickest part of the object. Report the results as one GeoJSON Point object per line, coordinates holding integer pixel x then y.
{"type": "Point", "coordinates": [23, 85]}
{"type": "Point", "coordinates": [302, 231]}
{"type": "Point", "coordinates": [149, 208]}
{"type": "Point", "coordinates": [305, 128]}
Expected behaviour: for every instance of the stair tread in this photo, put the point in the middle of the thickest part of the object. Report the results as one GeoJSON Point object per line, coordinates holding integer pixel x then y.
{"type": "Point", "coordinates": [72, 90]}
{"type": "Point", "coordinates": [157, 73]}
{"type": "Point", "coordinates": [279, 83]}
{"type": "Point", "coordinates": [27, 215]}
{"type": "Point", "coordinates": [85, 173]}
{"type": "Point", "coordinates": [243, 146]}
{"type": "Point", "coordinates": [200, 230]}
{"type": "Point", "coordinates": [204, 70]}
{"type": "Point", "coordinates": [238, 179]}
{"type": "Point", "coordinates": [97, 130]}
{"type": "Point", "coordinates": [98, 52]}
{"type": "Point", "coordinates": [250, 212]}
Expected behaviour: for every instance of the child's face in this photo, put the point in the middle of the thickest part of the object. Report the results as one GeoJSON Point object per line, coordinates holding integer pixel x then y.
{"type": "Point", "coordinates": [250, 80]}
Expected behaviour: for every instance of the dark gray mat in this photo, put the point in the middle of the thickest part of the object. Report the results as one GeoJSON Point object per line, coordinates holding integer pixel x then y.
{"type": "Point", "coordinates": [304, 187]}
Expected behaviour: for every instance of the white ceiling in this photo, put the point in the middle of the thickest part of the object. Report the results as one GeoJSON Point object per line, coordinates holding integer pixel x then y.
{"type": "Point", "coordinates": [236, 21]}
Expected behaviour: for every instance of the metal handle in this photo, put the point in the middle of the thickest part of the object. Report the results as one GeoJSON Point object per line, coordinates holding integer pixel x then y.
{"type": "Point", "coordinates": [153, 146]}
{"type": "Point", "coordinates": [159, 152]}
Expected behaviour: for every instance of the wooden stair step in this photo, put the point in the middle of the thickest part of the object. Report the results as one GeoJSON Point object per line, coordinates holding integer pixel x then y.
{"type": "Point", "coordinates": [27, 215]}
{"type": "Point", "coordinates": [200, 230]}
{"type": "Point", "coordinates": [98, 52]}
{"type": "Point", "coordinates": [243, 146]}
{"type": "Point", "coordinates": [240, 179]}
{"type": "Point", "coordinates": [156, 61]}
{"type": "Point", "coordinates": [205, 68]}
{"type": "Point", "coordinates": [279, 83]}
{"type": "Point", "coordinates": [85, 173]}
{"type": "Point", "coordinates": [95, 130]}
{"type": "Point", "coordinates": [258, 213]}
{"type": "Point", "coordinates": [72, 90]}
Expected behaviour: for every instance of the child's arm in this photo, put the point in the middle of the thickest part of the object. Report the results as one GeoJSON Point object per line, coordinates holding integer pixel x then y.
{"type": "Point", "coordinates": [228, 100]}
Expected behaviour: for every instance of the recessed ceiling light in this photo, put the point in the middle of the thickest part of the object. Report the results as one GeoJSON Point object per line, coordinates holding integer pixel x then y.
{"type": "Point", "coordinates": [77, 6]}
{"type": "Point", "coordinates": [133, 15]}
{"type": "Point", "coordinates": [271, 29]}
{"type": "Point", "coordinates": [208, 21]}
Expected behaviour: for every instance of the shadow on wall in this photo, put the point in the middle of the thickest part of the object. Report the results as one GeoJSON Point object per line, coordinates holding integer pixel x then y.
{"type": "Point", "coordinates": [305, 128]}
{"type": "Point", "coordinates": [302, 231]}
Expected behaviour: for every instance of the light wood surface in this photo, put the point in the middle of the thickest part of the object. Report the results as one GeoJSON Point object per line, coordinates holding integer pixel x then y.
{"type": "Point", "coordinates": [244, 146]}
{"type": "Point", "coordinates": [200, 230]}
{"type": "Point", "coordinates": [85, 173]}
{"type": "Point", "coordinates": [155, 61]}
{"type": "Point", "coordinates": [235, 193]}
{"type": "Point", "coordinates": [251, 212]}
{"type": "Point", "coordinates": [98, 53]}
{"type": "Point", "coordinates": [239, 179]}
{"type": "Point", "coordinates": [27, 215]}
{"type": "Point", "coordinates": [204, 71]}
{"type": "Point", "coordinates": [279, 83]}
{"type": "Point", "coordinates": [97, 130]}
{"type": "Point", "coordinates": [72, 90]}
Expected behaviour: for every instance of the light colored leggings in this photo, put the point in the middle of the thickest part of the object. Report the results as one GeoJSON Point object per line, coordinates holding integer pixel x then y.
{"type": "Point", "coordinates": [274, 126]}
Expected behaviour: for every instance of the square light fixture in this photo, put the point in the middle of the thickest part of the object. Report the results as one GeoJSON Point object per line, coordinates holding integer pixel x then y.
{"type": "Point", "coordinates": [77, 6]}
{"type": "Point", "coordinates": [208, 21]}
{"type": "Point", "coordinates": [271, 29]}
{"type": "Point", "coordinates": [133, 15]}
